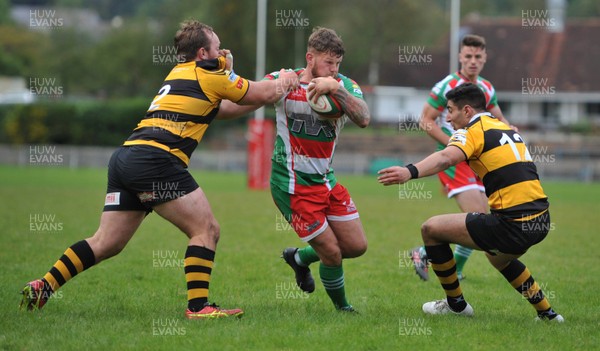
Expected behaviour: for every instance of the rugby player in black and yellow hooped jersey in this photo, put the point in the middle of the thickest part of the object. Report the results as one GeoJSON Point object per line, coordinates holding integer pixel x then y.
{"type": "Point", "coordinates": [519, 215]}
{"type": "Point", "coordinates": [149, 172]}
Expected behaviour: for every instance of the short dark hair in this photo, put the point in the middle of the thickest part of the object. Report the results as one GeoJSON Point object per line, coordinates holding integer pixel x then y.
{"type": "Point", "coordinates": [326, 40]}
{"type": "Point", "coordinates": [473, 40]}
{"type": "Point", "coordinates": [467, 94]}
{"type": "Point", "coordinates": [191, 36]}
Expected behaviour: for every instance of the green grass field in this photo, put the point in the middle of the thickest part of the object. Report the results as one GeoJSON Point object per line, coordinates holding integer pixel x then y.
{"type": "Point", "coordinates": [137, 300]}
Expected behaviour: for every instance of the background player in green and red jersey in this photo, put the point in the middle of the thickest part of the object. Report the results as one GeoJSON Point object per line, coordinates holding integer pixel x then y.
{"type": "Point", "coordinates": [303, 184]}
{"type": "Point", "coordinates": [459, 182]}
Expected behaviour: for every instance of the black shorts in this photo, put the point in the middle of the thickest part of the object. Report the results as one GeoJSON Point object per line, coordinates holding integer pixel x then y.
{"type": "Point", "coordinates": [140, 177]}
{"type": "Point", "coordinates": [495, 233]}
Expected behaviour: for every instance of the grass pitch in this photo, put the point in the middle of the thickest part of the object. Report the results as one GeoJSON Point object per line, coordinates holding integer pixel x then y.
{"type": "Point", "coordinates": [137, 300]}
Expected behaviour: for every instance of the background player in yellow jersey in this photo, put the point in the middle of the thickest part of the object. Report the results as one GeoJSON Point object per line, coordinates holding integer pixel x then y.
{"type": "Point", "coordinates": [519, 215]}
{"type": "Point", "coordinates": [149, 172]}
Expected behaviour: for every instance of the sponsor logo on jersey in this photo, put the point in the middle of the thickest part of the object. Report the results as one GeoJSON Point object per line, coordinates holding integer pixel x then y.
{"type": "Point", "coordinates": [460, 136]}
{"type": "Point", "coordinates": [232, 76]}
{"type": "Point", "coordinates": [240, 83]}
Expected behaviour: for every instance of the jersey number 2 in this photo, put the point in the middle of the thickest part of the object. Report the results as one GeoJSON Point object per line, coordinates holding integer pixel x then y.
{"type": "Point", "coordinates": [161, 94]}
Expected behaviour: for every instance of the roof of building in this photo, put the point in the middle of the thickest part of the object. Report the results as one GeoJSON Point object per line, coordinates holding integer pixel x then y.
{"type": "Point", "coordinates": [516, 52]}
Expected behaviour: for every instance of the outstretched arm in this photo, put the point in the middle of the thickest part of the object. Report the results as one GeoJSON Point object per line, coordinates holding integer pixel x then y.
{"type": "Point", "coordinates": [432, 164]}
{"type": "Point", "coordinates": [259, 93]}
{"type": "Point", "coordinates": [231, 110]}
{"type": "Point", "coordinates": [270, 91]}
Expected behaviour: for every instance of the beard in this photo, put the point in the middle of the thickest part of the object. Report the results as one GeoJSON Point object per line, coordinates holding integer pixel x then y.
{"type": "Point", "coordinates": [315, 74]}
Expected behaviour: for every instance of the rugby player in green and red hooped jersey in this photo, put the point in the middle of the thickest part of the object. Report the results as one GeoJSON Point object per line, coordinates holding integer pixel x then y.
{"type": "Point", "coordinates": [303, 185]}
{"type": "Point", "coordinates": [305, 142]}
{"type": "Point", "coordinates": [459, 182]}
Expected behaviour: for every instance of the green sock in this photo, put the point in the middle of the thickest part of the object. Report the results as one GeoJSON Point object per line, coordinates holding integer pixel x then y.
{"type": "Point", "coordinates": [308, 255]}
{"type": "Point", "coordinates": [461, 255]}
{"type": "Point", "coordinates": [333, 281]}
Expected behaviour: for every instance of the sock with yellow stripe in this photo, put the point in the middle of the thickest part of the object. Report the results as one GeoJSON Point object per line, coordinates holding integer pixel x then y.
{"type": "Point", "coordinates": [198, 265]}
{"type": "Point", "coordinates": [75, 260]}
{"type": "Point", "coordinates": [444, 266]}
{"type": "Point", "coordinates": [520, 278]}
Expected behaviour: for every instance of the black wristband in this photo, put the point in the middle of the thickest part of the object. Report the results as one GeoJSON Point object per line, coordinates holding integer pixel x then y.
{"type": "Point", "coordinates": [414, 172]}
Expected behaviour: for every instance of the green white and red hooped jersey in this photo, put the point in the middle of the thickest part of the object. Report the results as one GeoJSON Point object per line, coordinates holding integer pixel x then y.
{"type": "Point", "coordinates": [305, 142]}
{"type": "Point", "coordinates": [437, 98]}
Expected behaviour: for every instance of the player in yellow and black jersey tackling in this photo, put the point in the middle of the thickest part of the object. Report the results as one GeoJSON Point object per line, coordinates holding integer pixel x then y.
{"type": "Point", "coordinates": [149, 172]}
{"type": "Point", "coordinates": [519, 215]}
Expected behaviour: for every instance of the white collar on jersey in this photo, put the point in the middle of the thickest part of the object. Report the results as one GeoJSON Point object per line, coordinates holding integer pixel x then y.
{"type": "Point", "coordinates": [479, 115]}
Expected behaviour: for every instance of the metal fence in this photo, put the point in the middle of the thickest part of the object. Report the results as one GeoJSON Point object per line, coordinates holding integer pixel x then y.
{"type": "Point", "coordinates": [554, 164]}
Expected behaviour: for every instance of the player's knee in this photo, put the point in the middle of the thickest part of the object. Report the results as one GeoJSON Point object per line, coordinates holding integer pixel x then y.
{"type": "Point", "coordinates": [360, 248]}
{"type": "Point", "coordinates": [104, 249]}
{"type": "Point", "coordinates": [116, 249]}
{"type": "Point", "coordinates": [426, 231]}
{"type": "Point", "coordinates": [498, 261]}
{"type": "Point", "coordinates": [331, 256]}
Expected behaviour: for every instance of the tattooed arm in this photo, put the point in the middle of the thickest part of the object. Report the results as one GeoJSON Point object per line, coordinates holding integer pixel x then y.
{"type": "Point", "coordinates": [355, 108]}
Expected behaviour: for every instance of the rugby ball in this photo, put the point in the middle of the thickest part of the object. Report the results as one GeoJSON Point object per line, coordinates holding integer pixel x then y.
{"type": "Point", "coordinates": [326, 106]}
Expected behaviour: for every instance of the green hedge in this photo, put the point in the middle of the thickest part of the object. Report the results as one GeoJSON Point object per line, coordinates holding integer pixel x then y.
{"type": "Point", "coordinates": [102, 123]}
{"type": "Point", "coordinates": [82, 123]}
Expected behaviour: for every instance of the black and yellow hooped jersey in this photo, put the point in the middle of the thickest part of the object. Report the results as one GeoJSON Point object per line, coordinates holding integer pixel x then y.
{"type": "Point", "coordinates": [501, 159]}
{"type": "Point", "coordinates": [185, 105]}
